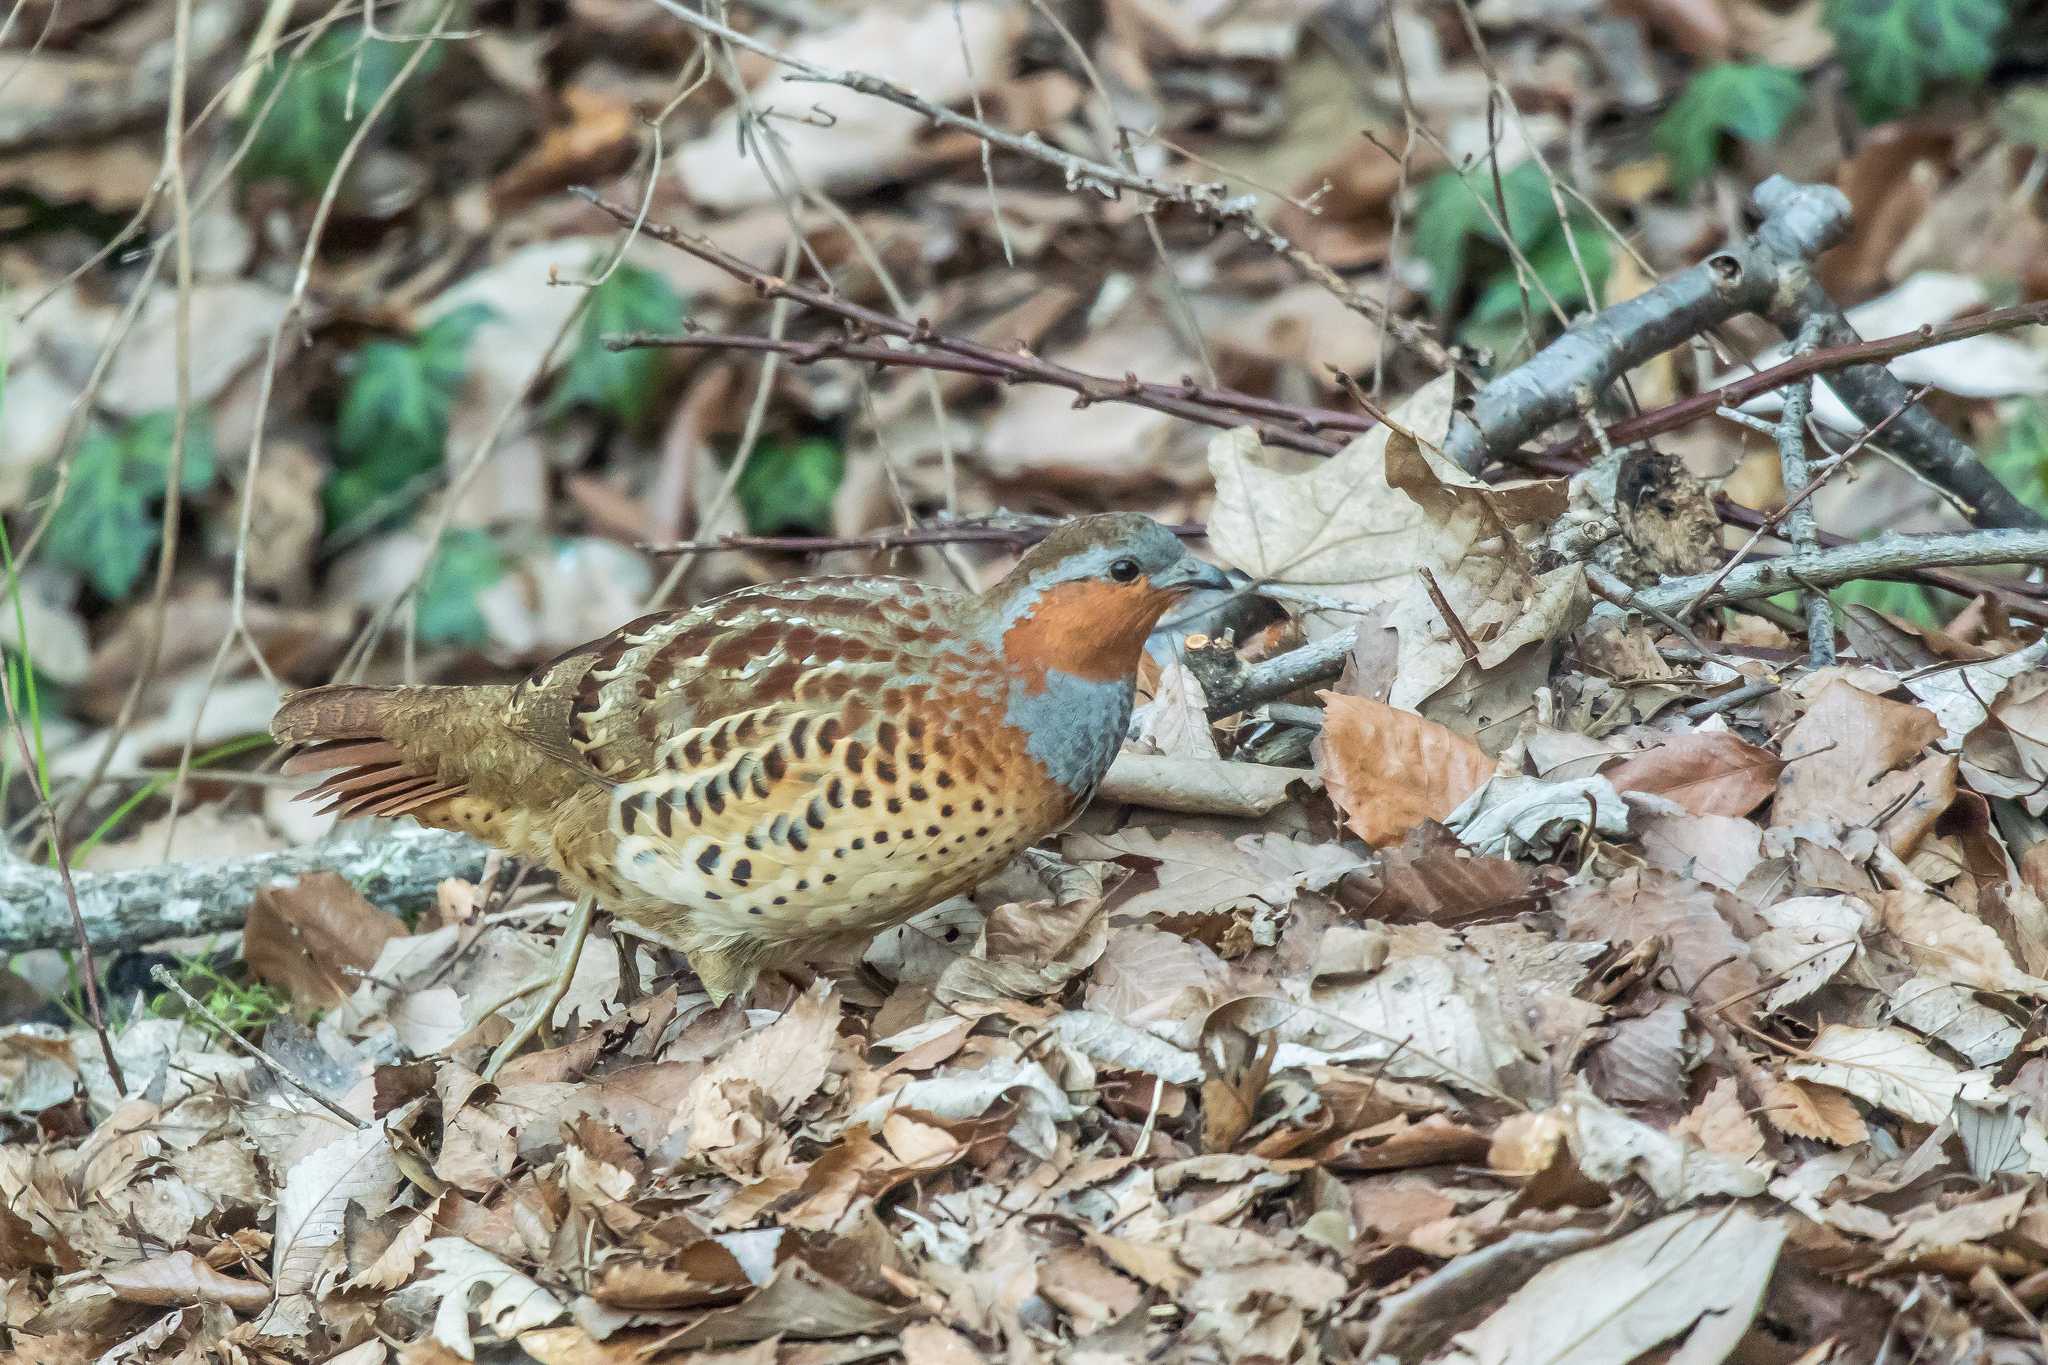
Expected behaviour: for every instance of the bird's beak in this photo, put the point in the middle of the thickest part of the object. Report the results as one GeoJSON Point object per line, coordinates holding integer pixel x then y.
{"type": "Point", "coordinates": [1191, 573]}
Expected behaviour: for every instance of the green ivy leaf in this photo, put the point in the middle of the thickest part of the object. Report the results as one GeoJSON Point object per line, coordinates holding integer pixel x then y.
{"type": "Point", "coordinates": [393, 426]}
{"type": "Point", "coordinates": [1551, 260]}
{"type": "Point", "coordinates": [108, 525]}
{"type": "Point", "coordinates": [632, 299]}
{"type": "Point", "coordinates": [2020, 459]}
{"type": "Point", "coordinates": [790, 487]}
{"type": "Point", "coordinates": [1907, 601]}
{"type": "Point", "coordinates": [1452, 216]}
{"type": "Point", "coordinates": [468, 562]}
{"type": "Point", "coordinates": [1751, 102]}
{"type": "Point", "coordinates": [2022, 117]}
{"type": "Point", "coordinates": [1895, 49]}
{"type": "Point", "coordinates": [320, 97]}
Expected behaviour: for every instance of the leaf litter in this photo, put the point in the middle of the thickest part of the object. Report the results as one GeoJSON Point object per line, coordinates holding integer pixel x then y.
{"type": "Point", "coordinates": [1506, 1008]}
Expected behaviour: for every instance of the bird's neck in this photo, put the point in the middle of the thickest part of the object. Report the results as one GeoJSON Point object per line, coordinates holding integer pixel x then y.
{"type": "Point", "coordinates": [1072, 651]}
{"type": "Point", "coordinates": [1090, 632]}
{"type": "Point", "coordinates": [1073, 726]}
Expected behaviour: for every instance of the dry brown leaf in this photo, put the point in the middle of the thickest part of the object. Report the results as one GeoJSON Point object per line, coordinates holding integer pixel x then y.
{"type": "Point", "coordinates": [1707, 772]}
{"type": "Point", "coordinates": [1854, 759]}
{"type": "Point", "coordinates": [1814, 1111]}
{"type": "Point", "coordinates": [1690, 920]}
{"type": "Point", "coordinates": [1390, 770]}
{"type": "Point", "coordinates": [1721, 1123]}
{"type": "Point", "coordinates": [300, 937]}
{"type": "Point", "coordinates": [182, 1278]}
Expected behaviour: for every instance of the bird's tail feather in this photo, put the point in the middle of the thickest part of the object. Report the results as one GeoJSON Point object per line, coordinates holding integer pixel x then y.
{"type": "Point", "coordinates": [359, 734]}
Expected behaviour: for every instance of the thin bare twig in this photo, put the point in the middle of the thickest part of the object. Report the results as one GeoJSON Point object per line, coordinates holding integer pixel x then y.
{"type": "Point", "coordinates": [1443, 608]}
{"type": "Point", "coordinates": [162, 976]}
{"type": "Point", "coordinates": [88, 968]}
{"type": "Point", "coordinates": [1821, 360]}
{"type": "Point", "coordinates": [1209, 200]}
{"type": "Point", "coordinates": [1824, 567]}
{"type": "Point", "coordinates": [1005, 528]}
{"type": "Point", "coordinates": [1797, 472]}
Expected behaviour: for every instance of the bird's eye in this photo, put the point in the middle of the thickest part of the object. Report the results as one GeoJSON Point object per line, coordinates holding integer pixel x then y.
{"type": "Point", "coordinates": [1124, 570]}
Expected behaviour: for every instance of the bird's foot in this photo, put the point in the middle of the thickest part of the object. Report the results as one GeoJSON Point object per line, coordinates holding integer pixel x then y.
{"type": "Point", "coordinates": [555, 982]}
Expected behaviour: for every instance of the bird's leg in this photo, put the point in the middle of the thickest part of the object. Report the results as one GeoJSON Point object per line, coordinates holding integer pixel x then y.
{"type": "Point", "coordinates": [566, 957]}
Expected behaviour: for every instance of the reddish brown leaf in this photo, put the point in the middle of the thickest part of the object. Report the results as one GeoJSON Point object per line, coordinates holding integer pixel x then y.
{"type": "Point", "coordinates": [300, 937]}
{"type": "Point", "coordinates": [1709, 773]}
{"type": "Point", "coordinates": [1389, 770]}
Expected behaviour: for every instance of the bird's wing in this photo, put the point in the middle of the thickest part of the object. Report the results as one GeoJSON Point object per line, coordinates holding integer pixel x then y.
{"type": "Point", "coordinates": [683, 691]}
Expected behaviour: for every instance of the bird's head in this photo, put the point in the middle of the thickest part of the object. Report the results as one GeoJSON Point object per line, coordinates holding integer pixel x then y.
{"type": "Point", "coordinates": [1082, 600]}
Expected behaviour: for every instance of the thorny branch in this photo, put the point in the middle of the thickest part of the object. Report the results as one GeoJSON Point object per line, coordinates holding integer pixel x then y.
{"type": "Point", "coordinates": [1209, 200]}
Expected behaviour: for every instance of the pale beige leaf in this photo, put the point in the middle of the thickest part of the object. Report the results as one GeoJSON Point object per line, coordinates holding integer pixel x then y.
{"type": "Point", "coordinates": [510, 1302]}
{"type": "Point", "coordinates": [1720, 1122]}
{"type": "Point", "coordinates": [1811, 938]}
{"type": "Point", "coordinates": [1886, 1068]}
{"type": "Point", "coordinates": [1943, 942]}
{"type": "Point", "coordinates": [1617, 1302]}
{"type": "Point", "coordinates": [357, 1164]}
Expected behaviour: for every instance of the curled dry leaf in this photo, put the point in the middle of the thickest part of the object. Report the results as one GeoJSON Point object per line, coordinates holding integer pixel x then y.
{"type": "Point", "coordinates": [1356, 526]}
{"type": "Point", "coordinates": [1199, 786]}
{"type": "Point", "coordinates": [1389, 770]}
{"type": "Point", "coordinates": [182, 1278]}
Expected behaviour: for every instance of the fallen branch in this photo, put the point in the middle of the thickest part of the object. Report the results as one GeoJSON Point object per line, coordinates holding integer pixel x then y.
{"type": "Point", "coordinates": [1749, 276]}
{"type": "Point", "coordinates": [1919, 438]}
{"type": "Point", "coordinates": [1768, 273]}
{"type": "Point", "coordinates": [1886, 557]}
{"type": "Point", "coordinates": [1822, 360]}
{"type": "Point", "coordinates": [397, 868]}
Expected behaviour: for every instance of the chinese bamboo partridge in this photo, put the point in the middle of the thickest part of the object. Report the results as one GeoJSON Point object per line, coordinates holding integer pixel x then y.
{"type": "Point", "coordinates": [790, 763]}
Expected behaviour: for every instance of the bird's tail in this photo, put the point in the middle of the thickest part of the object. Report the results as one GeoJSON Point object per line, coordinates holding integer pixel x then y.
{"type": "Point", "coordinates": [389, 750]}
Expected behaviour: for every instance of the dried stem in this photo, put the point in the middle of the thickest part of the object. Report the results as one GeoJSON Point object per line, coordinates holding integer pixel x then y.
{"type": "Point", "coordinates": [163, 978]}
{"type": "Point", "coordinates": [80, 939]}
